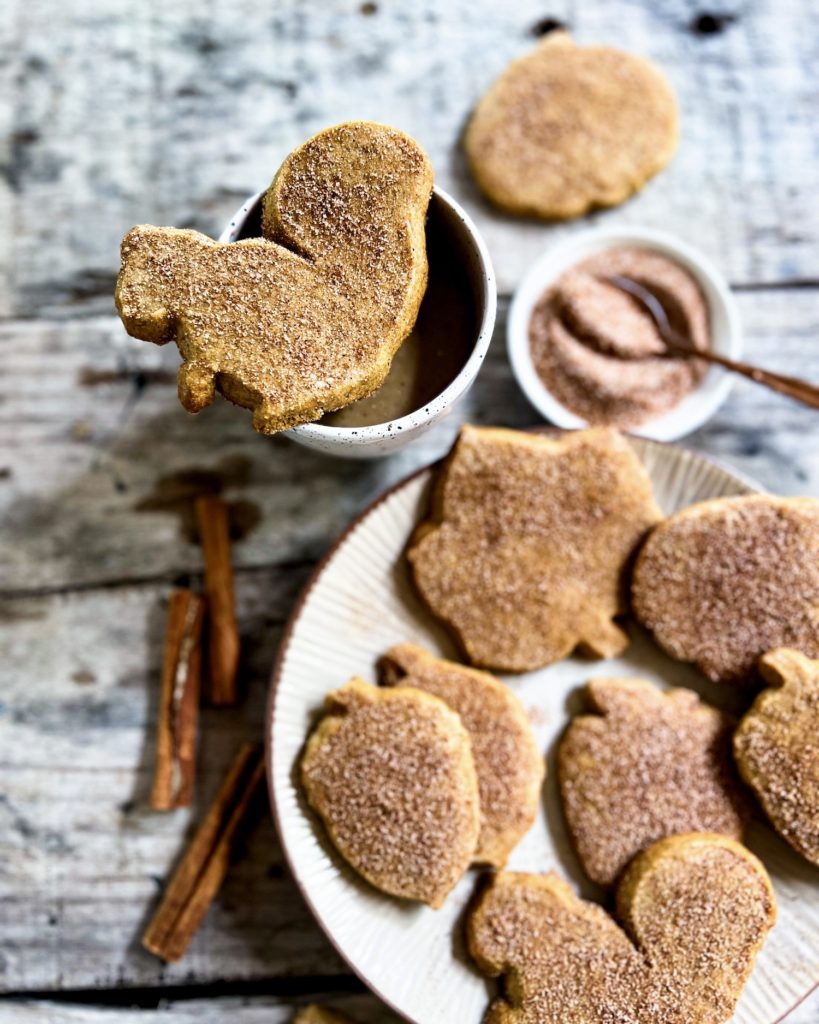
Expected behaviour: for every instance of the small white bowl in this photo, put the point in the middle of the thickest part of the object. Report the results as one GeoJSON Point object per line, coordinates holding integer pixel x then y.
{"type": "Point", "coordinates": [726, 333]}
{"type": "Point", "coordinates": [382, 438]}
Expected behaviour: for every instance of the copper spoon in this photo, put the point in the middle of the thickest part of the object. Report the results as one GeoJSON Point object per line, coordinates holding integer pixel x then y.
{"type": "Point", "coordinates": [677, 344]}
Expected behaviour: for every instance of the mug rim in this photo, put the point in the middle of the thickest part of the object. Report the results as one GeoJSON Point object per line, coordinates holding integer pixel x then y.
{"type": "Point", "coordinates": [412, 421]}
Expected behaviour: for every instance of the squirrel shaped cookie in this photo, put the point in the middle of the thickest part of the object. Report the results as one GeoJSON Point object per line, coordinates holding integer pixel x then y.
{"type": "Point", "coordinates": [777, 748]}
{"type": "Point", "coordinates": [524, 554]}
{"type": "Point", "coordinates": [722, 582]}
{"type": "Point", "coordinates": [694, 912]}
{"type": "Point", "coordinates": [308, 318]}
{"type": "Point", "coordinates": [649, 764]}
{"type": "Point", "coordinates": [509, 766]}
{"type": "Point", "coordinates": [567, 128]}
{"type": "Point", "coordinates": [390, 773]}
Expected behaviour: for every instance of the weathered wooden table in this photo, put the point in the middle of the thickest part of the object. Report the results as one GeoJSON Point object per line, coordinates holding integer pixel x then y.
{"type": "Point", "coordinates": [112, 114]}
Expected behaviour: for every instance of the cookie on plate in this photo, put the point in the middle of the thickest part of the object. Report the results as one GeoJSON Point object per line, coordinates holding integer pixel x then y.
{"type": "Point", "coordinates": [647, 765]}
{"type": "Point", "coordinates": [567, 128]}
{"type": "Point", "coordinates": [722, 582]}
{"type": "Point", "coordinates": [390, 773]}
{"type": "Point", "coordinates": [777, 748]}
{"type": "Point", "coordinates": [309, 317]}
{"type": "Point", "coordinates": [694, 912]}
{"type": "Point", "coordinates": [509, 765]}
{"type": "Point", "coordinates": [525, 551]}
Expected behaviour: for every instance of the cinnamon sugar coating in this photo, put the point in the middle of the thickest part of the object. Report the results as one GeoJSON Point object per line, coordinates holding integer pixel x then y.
{"type": "Point", "coordinates": [308, 318]}
{"type": "Point", "coordinates": [777, 748]}
{"type": "Point", "coordinates": [694, 912]}
{"type": "Point", "coordinates": [508, 763]}
{"type": "Point", "coordinates": [391, 775]}
{"type": "Point", "coordinates": [600, 354]}
{"type": "Point", "coordinates": [566, 128]}
{"type": "Point", "coordinates": [649, 764]}
{"type": "Point", "coordinates": [724, 581]}
{"type": "Point", "coordinates": [524, 554]}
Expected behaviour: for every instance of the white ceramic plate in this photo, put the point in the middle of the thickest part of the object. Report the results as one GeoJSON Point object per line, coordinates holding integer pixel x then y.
{"type": "Point", "coordinates": [358, 604]}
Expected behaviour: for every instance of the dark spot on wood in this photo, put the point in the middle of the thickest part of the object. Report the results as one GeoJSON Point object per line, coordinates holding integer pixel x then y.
{"type": "Point", "coordinates": [547, 25]}
{"type": "Point", "coordinates": [23, 610]}
{"type": "Point", "coordinates": [368, 9]}
{"type": "Point", "coordinates": [275, 871]}
{"type": "Point", "coordinates": [83, 677]}
{"type": "Point", "coordinates": [91, 376]}
{"type": "Point", "coordinates": [290, 89]}
{"type": "Point", "coordinates": [244, 518]}
{"type": "Point", "coordinates": [203, 44]}
{"type": "Point", "coordinates": [25, 137]}
{"type": "Point", "coordinates": [46, 840]}
{"type": "Point", "coordinates": [120, 486]}
{"type": "Point", "coordinates": [91, 284]}
{"type": "Point", "coordinates": [183, 581]}
{"type": "Point", "coordinates": [710, 24]}
{"type": "Point", "coordinates": [368, 63]}
{"type": "Point", "coordinates": [176, 492]}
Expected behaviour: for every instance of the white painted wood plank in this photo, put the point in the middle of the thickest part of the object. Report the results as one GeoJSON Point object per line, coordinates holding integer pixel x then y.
{"type": "Point", "coordinates": [361, 1009]}
{"type": "Point", "coordinates": [82, 857]}
{"type": "Point", "coordinates": [96, 477]}
{"type": "Point", "coordinates": [166, 113]}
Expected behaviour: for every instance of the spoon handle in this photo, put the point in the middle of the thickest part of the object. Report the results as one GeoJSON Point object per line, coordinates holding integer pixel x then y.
{"type": "Point", "coordinates": [793, 387]}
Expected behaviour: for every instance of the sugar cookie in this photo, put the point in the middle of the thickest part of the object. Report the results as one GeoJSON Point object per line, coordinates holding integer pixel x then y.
{"type": "Point", "coordinates": [524, 554]}
{"type": "Point", "coordinates": [649, 764]}
{"type": "Point", "coordinates": [695, 911]}
{"type": "Point", "coordinates": [390, 773]}
{"type": "Point", "coordinates": [724, 581]}
{"type": "Point", "coordinates": [308, 318]}
{"type": "Point", "coordinates": [509, 765]}
{"type": "Point", "coordinates": [777, 748]}
{"type": "Point", "coordinates": [566, 128]}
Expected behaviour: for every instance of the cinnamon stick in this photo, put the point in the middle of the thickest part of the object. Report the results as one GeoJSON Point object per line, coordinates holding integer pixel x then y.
{"type": "Point", "coordinates": [178, 719]}
{"type": "Point", "coordinates": [222, 633]}
{"type": "Point", "coordinates": [204, 865]}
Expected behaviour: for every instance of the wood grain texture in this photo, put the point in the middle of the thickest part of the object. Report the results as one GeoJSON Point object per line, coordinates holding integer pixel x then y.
{"type": "Point", "coordinates": [362, 1009]}
{"type": "Point", "coordinates": [104, 463]}
{"type": "Point", "coordinates": [183, 111]}
{"type": "Point", "coordinates": [113, 115]}
{"type": "Point", "coordinates": [84, 858]}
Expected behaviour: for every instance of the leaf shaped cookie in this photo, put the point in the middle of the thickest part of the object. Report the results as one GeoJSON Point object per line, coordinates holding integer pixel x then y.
{"type": "Point", "coordinates": [391, 775]}
{"type": "Point", "coordinates": [722, 582]}
{"type": "Point", "coordinates": [566, 128]}
{"type": "Point", "coordinates": [308, 318]}
{"type": "Point", "coordinates": [694, 912]}
{"type": "Point", "coordinates": [648, 765]}
{"type": "Point", "coordinates": [524, 554]}
{"type": "Point", "coordinates": [777, 748]}
{"type": "Point", "coordinates": [509, 766]}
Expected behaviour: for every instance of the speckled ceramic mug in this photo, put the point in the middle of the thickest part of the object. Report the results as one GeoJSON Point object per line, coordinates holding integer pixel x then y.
{"type": "Point", "coordinates": [367, 442]}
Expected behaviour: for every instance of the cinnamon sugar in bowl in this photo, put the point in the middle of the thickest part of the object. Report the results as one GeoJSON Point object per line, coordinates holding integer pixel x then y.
{"type": "Point", "coordinates": [585, 353]}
